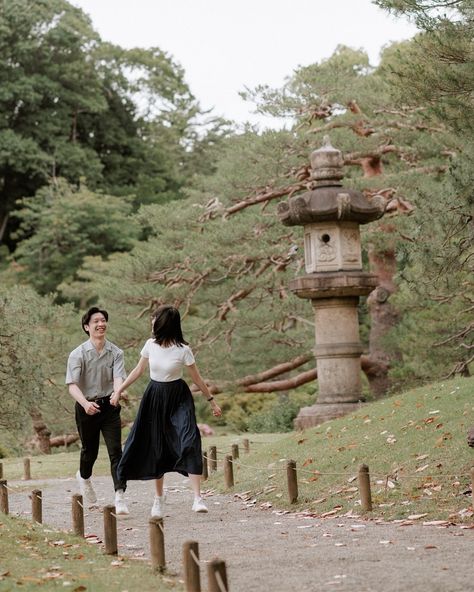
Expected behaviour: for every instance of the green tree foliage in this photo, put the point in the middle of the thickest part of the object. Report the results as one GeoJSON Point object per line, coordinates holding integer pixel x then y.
{"type": "Point", "coordinates": [73, 106]}
{"type": "Point", "coordinates": [60, 226]}
{"type": "Point", "coordinates": [228, 279]}
{"type": "Point", "coordinates": [437, 280]}
{"type": "Point", "coordinates": [33, 338]}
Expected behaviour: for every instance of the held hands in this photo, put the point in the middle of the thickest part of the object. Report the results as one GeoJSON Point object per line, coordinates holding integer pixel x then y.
{"type": "Point", "coordinates": [114, 399]}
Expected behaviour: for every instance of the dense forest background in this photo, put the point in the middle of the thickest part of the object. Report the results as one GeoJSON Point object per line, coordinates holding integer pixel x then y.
{"type": "Point", "coordinates": [116, 188]}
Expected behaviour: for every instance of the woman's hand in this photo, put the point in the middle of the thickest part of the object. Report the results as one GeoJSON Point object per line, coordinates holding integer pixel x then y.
{"type": "Point", "coordinates": [216, 410]}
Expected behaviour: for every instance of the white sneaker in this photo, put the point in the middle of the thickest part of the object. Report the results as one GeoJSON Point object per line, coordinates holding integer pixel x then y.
{"type": "Point", "coordinates": [199, 505]}
{"type": "Point", "coordinates": [120, 505]}
{"type": "Point", "coordinates": [86, 489]}
{"type": "Point", "coordinates": [158, 509]}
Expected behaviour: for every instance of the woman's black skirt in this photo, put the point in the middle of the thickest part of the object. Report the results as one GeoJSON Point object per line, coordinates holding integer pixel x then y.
{"type": "Point", "coordinates": [164, 437]}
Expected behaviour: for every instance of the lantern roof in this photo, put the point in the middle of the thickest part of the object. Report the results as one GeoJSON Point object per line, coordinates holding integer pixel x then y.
{"type": "Point", "coordinates": [328, 200]}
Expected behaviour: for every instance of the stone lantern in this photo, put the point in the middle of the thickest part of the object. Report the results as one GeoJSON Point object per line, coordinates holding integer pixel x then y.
{"type": "Point", "coordinates": [331, 215]}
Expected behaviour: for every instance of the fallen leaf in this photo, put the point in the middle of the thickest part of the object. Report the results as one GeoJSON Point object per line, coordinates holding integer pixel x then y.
{"type": "Point", "coordinates": [419, 469]}
{"type": "Point", "coordinates": [331, 512]}
{"type": "Point", "coordinates": [416, 516]}
{"type": "Point", "coordinates": [52, 575]}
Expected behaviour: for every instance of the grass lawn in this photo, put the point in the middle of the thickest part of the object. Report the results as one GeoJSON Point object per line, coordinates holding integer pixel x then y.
{"type": "Point", "coordinates": [414, 444]}
{"type": "Point", "coordinates": [34, 557]}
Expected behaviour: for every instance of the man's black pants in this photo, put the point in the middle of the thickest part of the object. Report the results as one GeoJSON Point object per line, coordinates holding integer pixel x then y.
{"type": "Point", "coordinates": [90, 428]}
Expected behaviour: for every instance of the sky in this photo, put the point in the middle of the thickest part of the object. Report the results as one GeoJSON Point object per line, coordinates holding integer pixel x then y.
{"type": "Point", "coordinates": [226, 46]}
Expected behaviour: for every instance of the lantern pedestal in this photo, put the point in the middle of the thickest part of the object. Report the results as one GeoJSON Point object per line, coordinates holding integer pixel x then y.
{"type": "Point", "coordinates": [309, 417]}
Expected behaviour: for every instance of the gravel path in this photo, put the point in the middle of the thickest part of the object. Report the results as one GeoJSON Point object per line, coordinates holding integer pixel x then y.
{"type": "Point", "coordinates": [269, 550]}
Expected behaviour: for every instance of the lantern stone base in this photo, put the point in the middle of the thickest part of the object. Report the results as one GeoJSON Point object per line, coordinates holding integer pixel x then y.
{"type": "Point", "coordinates": [317, 414]}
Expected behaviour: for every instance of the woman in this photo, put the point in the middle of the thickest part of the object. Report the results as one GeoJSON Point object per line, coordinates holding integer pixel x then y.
{"type": "Point", "coordinates": [165, 436]}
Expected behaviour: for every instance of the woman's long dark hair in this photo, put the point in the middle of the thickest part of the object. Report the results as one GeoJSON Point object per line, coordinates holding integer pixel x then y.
{"type": "Point", "coordinates": [167, 326]}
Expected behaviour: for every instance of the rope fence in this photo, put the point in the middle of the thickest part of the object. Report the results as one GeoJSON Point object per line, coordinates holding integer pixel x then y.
{"type": "Point", "coordinates": [389, 480]}
{"type": "Point", "coordinates": [210, 465]}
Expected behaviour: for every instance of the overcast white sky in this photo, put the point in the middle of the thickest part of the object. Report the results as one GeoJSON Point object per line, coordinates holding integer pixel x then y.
{"type": "Point", "coordinates": [225, 46]}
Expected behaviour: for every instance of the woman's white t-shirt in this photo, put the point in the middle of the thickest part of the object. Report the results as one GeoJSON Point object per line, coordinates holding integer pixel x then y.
{"type": "Point", "coordinates": [166, 363]}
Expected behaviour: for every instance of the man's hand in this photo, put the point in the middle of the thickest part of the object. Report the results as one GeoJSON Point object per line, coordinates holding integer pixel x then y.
{"type": "Point", "coordinates": [91, 408]}
{"type": "Point", "coordinates": [470, 437]}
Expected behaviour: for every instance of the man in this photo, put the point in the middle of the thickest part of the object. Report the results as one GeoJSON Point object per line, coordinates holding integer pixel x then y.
{"type": "Point", "coordinates": [95, 370]}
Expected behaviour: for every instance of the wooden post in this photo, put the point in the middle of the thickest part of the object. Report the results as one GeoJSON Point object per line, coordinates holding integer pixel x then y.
{"type": "Point", "coordinates": [364, 488]}
{"type": "Point", "coordinates": [212, 456]}
{"type": "Point", "coordinates": [246, 443]}
{"type": "Point", "coordinates": [235, 451]}
{"type": "Point", "coordinates": [3, 497]}
{"type": "Point", "coordinates": [37, 506]}
{"type": "Point", "coordinates": [472, 485]}
{"type": "Point", "coordinates": [292, 479]}
{"type": "Point", "coordinates": [26, 469]}
{"type": "Point", "coordinates": [157, 544]}
{"type": "Point", "coordinates": [77, 515]}
{"type": "Point", "coordinates": [216, 576]}
{"type": "Point", "coordinates": [228, 471]}
{"type": "Point", "coordinates": [192, 577]}
{"type": "Point", "coordinates": [110, 530]}
{"type": "Point", "coordinates": [205, 472]}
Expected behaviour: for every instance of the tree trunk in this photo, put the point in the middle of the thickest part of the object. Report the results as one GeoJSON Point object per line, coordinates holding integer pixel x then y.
{"type": "Point", "coordinates": [42, 433]}
{"type": "Point", "coordinates": [383, 317]}
{"type": "Point", "coordinates": [65, 440]}
{"type": "Point", "coordinates": [3, 226]}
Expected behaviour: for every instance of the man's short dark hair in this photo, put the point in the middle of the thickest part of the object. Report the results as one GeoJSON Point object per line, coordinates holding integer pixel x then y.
{"type": "Point", "coordinates": [92, 311]}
